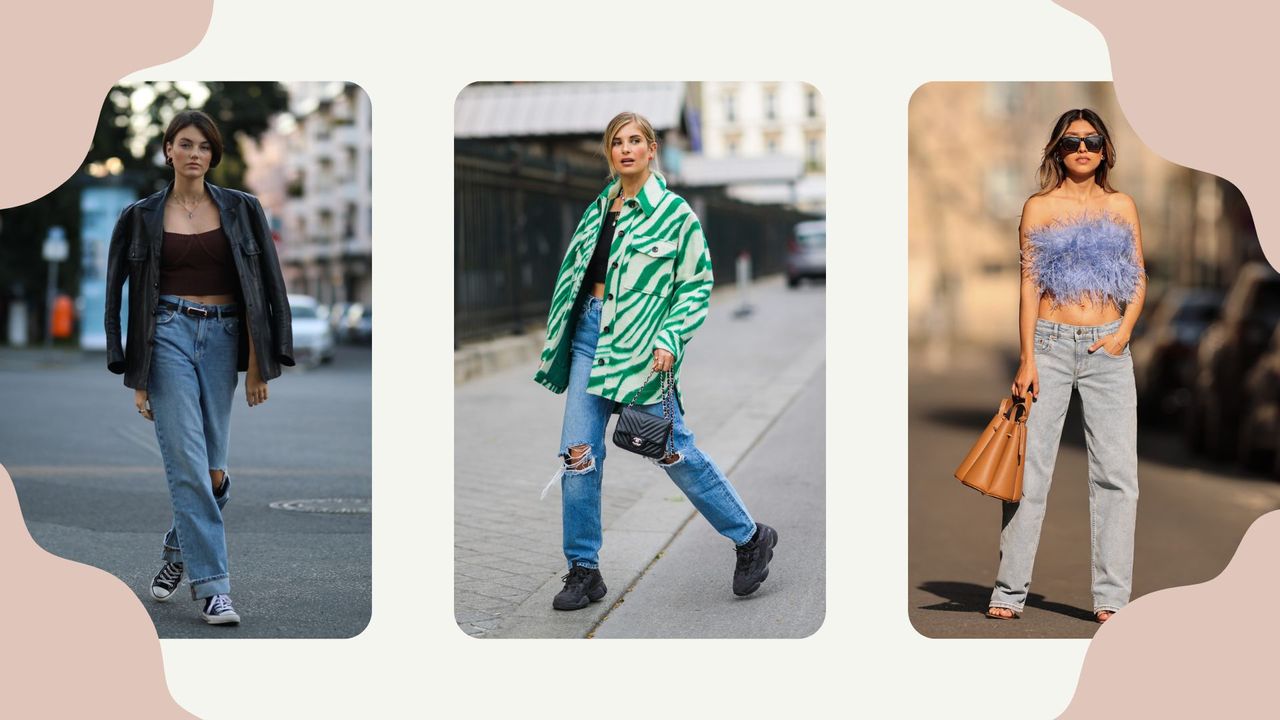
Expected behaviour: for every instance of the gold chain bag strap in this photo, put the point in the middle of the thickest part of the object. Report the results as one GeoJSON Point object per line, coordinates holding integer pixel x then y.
{"type": "Point", "coordinates": [995, 462]}
{"type": "Point", "coordinates": [639, 432]}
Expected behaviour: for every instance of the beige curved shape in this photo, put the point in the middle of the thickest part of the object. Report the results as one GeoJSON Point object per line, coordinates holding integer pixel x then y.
{"type": "Point", "coordinates": [1196, 81]}
{"type": "Point", "coordinates": [1202, 651]}
{"type": "Point", "coordinates": [58, 59]}
{"type": "Point", "coordinates": [77, 643]}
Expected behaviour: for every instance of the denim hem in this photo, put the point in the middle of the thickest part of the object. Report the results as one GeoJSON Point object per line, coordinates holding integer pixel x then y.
{"type": "Point", "coordinates": [171, 554]}
{"type": "Point", "coordinates": [750, 535]}
{"type": "Point", "coordinates": [1006, 605]}
{"type": "Point", "coordinates": [210, 586]}
{"type": "Point", "coordinates": [1106, 608]}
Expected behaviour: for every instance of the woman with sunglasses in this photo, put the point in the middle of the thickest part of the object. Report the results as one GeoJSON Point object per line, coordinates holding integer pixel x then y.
{"type": "Point", "coordinates": [1083, 285]}
{"type": "Point", "coordinates": [634, 285]}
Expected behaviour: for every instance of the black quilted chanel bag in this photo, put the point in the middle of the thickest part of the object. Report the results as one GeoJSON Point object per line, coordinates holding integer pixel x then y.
{"type": "Point", "coordinates": [645, 434]}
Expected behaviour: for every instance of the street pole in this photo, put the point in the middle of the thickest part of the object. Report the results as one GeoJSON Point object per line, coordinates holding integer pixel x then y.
{"type": "Point", "coordinates": [744, 284]}
{"type": "Point", "coordinates": [55, 251]}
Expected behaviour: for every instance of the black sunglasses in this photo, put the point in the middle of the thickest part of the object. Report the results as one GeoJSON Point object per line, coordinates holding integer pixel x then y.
{"type": "Point", "coordinates": [1092, 143]}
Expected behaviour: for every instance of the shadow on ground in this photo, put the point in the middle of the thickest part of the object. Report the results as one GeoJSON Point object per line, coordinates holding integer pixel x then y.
{"type": "Point", "coordinates": [968, 597]}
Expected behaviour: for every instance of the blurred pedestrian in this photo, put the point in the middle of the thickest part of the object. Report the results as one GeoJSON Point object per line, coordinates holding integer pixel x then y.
{"type": "Point", "coordinates": [206, 300]}
{"type": "Point", "coordinates": [634, 286]}
{"type": "Point", "coordinates": [1083, 286]}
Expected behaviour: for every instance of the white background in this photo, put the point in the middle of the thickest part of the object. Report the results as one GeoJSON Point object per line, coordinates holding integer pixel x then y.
{"type": "Point", "coordinates": [867, 59]}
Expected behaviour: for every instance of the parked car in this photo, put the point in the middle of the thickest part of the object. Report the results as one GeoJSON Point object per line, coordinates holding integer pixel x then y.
{"type": "Point", "coordinates": [338, 318]}
{"type": "Point", "coordinates": [359, 324]}
{"type": "Point", "coordinates": [807, 252]}
{"type": "Point", "coordinates": [1227, 351]}
{"type": "Point", "coordinates": [1260, 422]}
{"type": "Point", "coordinates": [312, 338]}
{"type": "Point", "coordinates": [1164, 360]}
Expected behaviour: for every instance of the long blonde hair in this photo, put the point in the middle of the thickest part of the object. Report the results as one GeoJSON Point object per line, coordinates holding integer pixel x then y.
{"type": "Point", "coordinates": [646, 129]}
{"type": "Point", "coordinates": [1052, 170]}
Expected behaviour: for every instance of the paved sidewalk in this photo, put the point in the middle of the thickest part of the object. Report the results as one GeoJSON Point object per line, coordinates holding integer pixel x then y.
{"type": "Point", "coordinates": [739, 376]}
{"type": "Point", "coordinates": [688, 593]}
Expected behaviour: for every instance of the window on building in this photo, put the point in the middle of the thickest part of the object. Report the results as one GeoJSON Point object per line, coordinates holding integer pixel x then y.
{"type": "Point", "coordinates": [771, 104]}
{"type": "Point", "coordinates": [813, 152]}
{"type": "Point", "coordinates": [732, 142]}
{"type": "Point", "coordinates": [811, 103]}
{"type": "Point", "coordinates": [731, 107]}
{"type": "Point", "coordinates": [1002, 99]}
{"type": "Point", "coordinates": [772, 143]}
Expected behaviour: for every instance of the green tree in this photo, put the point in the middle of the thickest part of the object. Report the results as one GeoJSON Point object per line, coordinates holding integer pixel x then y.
{"type": "Point", "coordinates": [129, 132]}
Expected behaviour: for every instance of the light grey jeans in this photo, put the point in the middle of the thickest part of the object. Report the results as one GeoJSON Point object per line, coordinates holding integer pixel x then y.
{"type": "Point", "coordinates": [1110, 405]}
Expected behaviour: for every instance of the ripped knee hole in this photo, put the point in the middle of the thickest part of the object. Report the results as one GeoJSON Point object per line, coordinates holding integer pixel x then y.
{"type": "Point", "coordinates": [579, 458]}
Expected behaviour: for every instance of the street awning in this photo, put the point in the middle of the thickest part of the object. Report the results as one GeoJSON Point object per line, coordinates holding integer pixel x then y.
{"type": "Point", "coordinates": [490, 110]}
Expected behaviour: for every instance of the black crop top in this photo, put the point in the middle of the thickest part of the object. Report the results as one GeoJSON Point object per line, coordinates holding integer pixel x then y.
{"type": "Point", "coordinates": [199, 264]}
{"type": "Point", "coordinates": [600, 257]}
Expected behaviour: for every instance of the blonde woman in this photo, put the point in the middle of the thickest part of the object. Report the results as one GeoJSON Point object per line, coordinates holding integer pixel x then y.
{"type": "Point", "coordinates": [633, 288]}
{"type": "Point", "coordinates": [1083, 286]}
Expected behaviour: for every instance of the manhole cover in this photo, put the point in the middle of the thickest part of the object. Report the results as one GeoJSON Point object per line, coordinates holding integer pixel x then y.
{"type": "Point", "coordinates": [336, 506]}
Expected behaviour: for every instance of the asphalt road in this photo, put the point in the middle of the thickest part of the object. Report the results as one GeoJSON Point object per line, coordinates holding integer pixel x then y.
{"type": "Point", "coordinates": [1191, 514]}
{"type": "Point", "coordinates": [687, 592]}
{"type": "Point", "coordinates": [90, 481]}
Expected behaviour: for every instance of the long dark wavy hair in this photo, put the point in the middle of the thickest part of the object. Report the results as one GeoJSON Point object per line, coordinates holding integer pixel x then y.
{"type": "Point", "coordinates": [1052, 168]}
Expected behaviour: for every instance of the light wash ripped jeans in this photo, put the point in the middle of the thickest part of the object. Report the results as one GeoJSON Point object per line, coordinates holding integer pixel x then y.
{"type": "Point", "coordinates": [192, 383]}
{"type": "Point", "coordinates": [1110, 405]}
{"type": "Point", "coordinates": [585, 419]}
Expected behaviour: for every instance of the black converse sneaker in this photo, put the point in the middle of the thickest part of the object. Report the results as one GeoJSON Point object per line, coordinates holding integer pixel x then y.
{"type": "Point", "coordinates": [582, 586]}
{"type": "Point", "coordinates": [753, 560]}
{"type": "Point", "coordinates": [166, 581]}
{"type": "Point", "coordinates": [218, 611]}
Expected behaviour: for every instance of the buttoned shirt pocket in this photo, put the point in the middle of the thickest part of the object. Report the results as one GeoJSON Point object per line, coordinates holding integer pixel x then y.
{"type": "Point", "coordinates": [650, 266]}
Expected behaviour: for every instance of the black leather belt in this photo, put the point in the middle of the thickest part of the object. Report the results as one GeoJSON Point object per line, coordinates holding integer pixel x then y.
{"type": "Point", "coordinates": [198, 311]}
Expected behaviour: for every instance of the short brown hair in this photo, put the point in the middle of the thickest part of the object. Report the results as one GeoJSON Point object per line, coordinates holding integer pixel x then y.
{"type": "Point", "coordinates": [201, 122]}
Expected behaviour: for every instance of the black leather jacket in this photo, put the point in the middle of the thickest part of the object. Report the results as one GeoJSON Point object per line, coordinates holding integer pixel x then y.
{"type": "Point", "coordinates": [135, 255]}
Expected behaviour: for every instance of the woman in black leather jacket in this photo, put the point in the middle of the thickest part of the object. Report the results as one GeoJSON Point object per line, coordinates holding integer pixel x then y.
{"type": "Point", "coordinates": [206, 300]}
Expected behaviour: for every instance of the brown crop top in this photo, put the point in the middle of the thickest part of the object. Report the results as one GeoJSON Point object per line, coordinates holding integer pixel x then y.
{"type": "Point", "coordinates": [199, 264]}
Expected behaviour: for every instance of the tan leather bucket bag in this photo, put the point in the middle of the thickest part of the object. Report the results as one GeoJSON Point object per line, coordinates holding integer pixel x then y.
{"type": "Point", "coordinates": [994, 464]}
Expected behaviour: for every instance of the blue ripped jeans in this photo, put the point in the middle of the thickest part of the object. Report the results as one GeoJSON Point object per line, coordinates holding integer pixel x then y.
{"type": "Point", "coordinates": [585, 419]}
{"type": "Point", "coordinates": [191, 386]}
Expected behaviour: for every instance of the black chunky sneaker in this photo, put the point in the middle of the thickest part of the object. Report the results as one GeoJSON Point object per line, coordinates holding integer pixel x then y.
{"type": "Point", "coordinates": [166, 581]}
{"type": "Point", "coordinates": [582, 586]}
{"type": "Point", "coordinates": [753, 560]}
{"type": "Point", "coordinates": [218, 611]}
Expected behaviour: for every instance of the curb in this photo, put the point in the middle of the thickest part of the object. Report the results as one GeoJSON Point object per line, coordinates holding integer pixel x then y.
{"type": "Point", "coordinates": [638, 538]}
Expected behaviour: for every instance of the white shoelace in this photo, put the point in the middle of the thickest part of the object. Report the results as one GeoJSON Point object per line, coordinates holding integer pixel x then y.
{"type": "Point", "coordinates": [220, 604]}
{"type": "Point", "coordinates": [170, 573]}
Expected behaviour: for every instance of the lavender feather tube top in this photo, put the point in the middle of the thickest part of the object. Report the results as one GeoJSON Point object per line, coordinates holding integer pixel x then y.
{"type": "Point", "coordinates": [1089, 258]}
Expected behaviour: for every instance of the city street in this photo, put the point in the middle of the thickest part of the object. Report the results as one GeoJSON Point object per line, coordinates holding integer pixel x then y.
{"type": "Point", "coordinates": [754, 396]}
{"type": "Point", "coordinates": [91, 485]}
{"type": "Point", "coordinates": [1191, 513]}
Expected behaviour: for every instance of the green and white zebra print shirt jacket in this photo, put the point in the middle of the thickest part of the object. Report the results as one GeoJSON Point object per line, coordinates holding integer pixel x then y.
{"type": "Point", "coordinates": [657, 289]}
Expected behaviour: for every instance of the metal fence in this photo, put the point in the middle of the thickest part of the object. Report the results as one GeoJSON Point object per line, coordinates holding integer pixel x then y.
{"type": "Point", "coordinates": [513, 217]}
